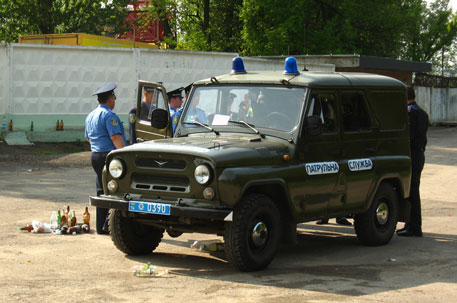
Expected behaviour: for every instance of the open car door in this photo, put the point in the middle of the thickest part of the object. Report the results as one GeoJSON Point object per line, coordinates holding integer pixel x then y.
{"type": "Point", "coordinates": [151, 96]}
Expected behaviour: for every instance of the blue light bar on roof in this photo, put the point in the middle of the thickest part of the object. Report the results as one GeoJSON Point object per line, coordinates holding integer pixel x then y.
{"type": "Point", "coordinates": [290, 66]}
{"type": "Point", "coordinates": [238, 66]}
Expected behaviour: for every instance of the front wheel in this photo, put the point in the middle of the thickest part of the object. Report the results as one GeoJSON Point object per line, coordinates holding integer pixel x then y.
{"type": "Point", "coordinates": [377, 225]}
{"type": "Point", "coordinates": [251, 239]}
{"type": "Point", "coordinates": [131, 237]}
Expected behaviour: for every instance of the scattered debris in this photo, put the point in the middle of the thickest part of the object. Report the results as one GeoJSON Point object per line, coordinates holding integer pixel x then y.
{"type": "Point", "coordinates": [61, 223]}
{"type": "Point", "coordinates": [148, 271]}
{"type": "Point", "coordinates": [208, 245]}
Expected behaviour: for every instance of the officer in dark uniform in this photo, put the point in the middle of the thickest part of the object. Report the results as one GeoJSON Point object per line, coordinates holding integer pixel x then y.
{"type": "Point", "coordinates": [104, 132]}
{"type": "Point", "coordinates": [418, 125]}
{"type": "Point", "coordinates": [132, 132]}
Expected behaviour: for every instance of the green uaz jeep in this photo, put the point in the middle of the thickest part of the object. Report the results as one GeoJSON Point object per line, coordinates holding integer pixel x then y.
{"type": "Point", "coordinates": [256, 153]}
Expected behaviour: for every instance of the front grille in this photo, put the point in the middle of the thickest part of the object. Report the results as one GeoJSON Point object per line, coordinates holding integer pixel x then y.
{"type": "Point", "coordinates": [153, 182]}
{"type": "Point", "coordinates": [160, 163]}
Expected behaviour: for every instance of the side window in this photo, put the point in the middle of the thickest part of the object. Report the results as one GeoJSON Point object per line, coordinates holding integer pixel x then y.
{"type": "Point", "coordinates": [354, 112]}
{"type": "Point", "coordinates": [390, 108]}
{"type": "Point", "coordinates": [152, 99]}
{"type": "Point", "coordinates": [323, 105]}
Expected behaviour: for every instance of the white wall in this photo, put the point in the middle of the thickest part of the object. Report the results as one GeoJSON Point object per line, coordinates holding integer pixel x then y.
{"type": "Point", "coordinates": [439, 103]}
{"type": "Point", "coordinates": [40, 84]}
{"type": "Point", "coordinates": [53, 79]}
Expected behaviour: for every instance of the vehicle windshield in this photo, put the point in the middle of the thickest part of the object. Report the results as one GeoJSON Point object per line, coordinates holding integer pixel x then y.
{"type": "Point", "coordinates": [273, 107]}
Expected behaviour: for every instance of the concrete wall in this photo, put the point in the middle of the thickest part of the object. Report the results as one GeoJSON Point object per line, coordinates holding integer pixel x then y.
{"type": "Point", "coordinates": [46, 83]}
{"type": "Point", "coordinates": [439, 103]}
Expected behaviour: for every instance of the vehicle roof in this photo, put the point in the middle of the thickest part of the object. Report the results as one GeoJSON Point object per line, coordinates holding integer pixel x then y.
{"type": "Point", "coordinates": [308, 79]}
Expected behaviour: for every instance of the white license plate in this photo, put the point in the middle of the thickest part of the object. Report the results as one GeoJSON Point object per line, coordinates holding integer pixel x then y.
{"type": "Point", "coordinates": [149, 207]}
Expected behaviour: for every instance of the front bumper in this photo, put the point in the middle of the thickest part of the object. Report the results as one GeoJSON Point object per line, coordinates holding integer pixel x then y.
{"type": "Point", "coordinates": [176, 210]}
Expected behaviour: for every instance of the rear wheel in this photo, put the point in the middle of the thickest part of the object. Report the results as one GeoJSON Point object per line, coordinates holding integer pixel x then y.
{"type": "Point", "coordinates": [377, 225]}
{"type": "Point", "coordinates": [251, 239]}
{"type": "Point", "coordinates": [130, 237]}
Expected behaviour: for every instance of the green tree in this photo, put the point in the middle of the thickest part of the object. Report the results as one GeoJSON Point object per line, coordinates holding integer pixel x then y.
{"type": "Point", "coordinates": [210, 25]}
{"type": "Point", "coordinates": [432, 30]}
{"type": "Point", "coordinates": [21, 17]}
{"type": "Point", "coordinates": [371, 27]}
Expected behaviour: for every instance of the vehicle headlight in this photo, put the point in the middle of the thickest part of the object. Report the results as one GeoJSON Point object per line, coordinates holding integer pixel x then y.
{"type": "Point", "coordinates": [116, 168]}
{"type": "Point", "coordinates": [203, 174]}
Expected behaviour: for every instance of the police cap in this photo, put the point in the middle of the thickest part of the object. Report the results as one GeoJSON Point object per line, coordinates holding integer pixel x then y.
{"type": "Point", "coordinates": [107, 88]}
{"type": "Point", "coordinates": [175, 93]}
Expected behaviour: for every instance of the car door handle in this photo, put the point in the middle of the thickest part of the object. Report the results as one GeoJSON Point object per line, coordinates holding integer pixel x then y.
{"type": "Point", "coordinates": [370, 149]}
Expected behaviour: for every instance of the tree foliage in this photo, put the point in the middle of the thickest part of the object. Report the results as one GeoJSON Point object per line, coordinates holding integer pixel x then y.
{"type": "Point", "coordinates": [432, 30]}
{"type": "Point", "coordinates": [22, 17]}
{"type": "Point", "coordinates": [406, 29]}
{"type": "Point", "coordinates": [210, 25]}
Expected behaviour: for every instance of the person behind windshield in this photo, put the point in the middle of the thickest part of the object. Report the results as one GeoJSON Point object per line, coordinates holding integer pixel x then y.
{"type": "Point", "coordinates": [228, 107]}
{"type": "Point", "coordinates": [194, 113]}
{"type": "Point", "coordinates": [245, 107]}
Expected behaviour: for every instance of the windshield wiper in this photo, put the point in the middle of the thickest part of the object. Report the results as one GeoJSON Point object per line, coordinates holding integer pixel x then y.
{"type": "Point", "coordinates": [251, 126]}
{"type": "Point", "coordinates": [203, 125]}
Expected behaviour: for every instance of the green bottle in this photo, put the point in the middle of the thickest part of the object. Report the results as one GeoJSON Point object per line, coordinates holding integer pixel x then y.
{"type": "Point", "coordinates": [59, 219]}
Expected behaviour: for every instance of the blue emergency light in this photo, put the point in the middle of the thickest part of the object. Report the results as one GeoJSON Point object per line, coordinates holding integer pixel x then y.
{"type": "Point", "coordinates": [290, 66]}
{"type": "Point", "coordinates": [238, 66]}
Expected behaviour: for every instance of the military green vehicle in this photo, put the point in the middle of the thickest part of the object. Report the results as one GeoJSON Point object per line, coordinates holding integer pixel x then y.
{"type": "Point", "coordinates": [256, 153]}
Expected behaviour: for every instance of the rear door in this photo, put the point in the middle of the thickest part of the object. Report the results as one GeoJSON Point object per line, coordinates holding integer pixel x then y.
{"type": "Point", "coordinates": [359, 141]}
{"type": "Point", "coordinates": [150, 96]}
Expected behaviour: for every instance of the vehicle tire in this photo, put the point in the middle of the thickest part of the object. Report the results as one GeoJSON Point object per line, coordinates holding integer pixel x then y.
{"type": "Point", "coordinates": [251, 239]}
{"type": "Point", "coordinates": [377, 225]}
{"type": "Point", "coordinates": [130, 237]}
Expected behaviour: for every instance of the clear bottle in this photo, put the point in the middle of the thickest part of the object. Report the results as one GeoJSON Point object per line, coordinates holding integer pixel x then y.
{"type": "Point", "coordinates": [54, 225]}
{"type": "Point", "coordinates": [70, 218]}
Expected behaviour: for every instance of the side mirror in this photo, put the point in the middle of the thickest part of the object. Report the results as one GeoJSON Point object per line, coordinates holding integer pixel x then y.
{"type": "Point", "coordinates": [159, 118]}
{"type": "Point", "coordinates": [313, 125]}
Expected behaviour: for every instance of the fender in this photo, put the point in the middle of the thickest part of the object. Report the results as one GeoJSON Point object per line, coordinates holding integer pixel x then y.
{"type": "Point", "coordinates": [234, 183]}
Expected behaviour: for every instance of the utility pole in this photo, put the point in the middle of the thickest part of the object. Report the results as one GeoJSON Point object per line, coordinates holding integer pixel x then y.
{"type": "Point", "coordinates": [442, 62]}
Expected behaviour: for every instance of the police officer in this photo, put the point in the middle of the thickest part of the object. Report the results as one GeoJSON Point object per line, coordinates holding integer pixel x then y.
{"type": "Point", "coordinates": [104, 132]}
{"type": "Point", "coordinates": [418, 125]}
{"type": "Point", "coordinates": [132, 132]}
{"type": "Point", "coordinates": [174, 104]}
{"type": "Point", "coordinates": [146, 104]}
